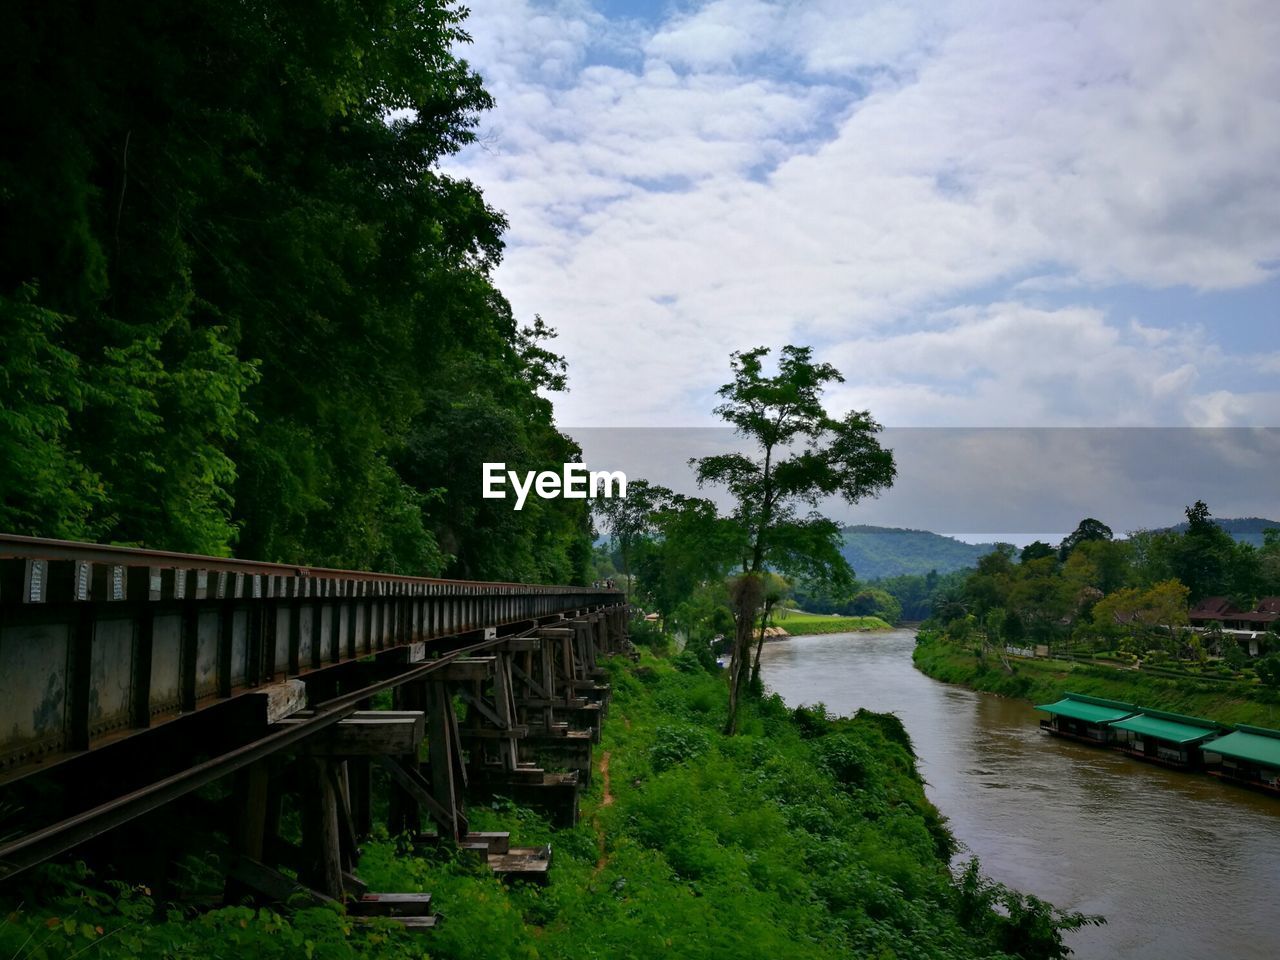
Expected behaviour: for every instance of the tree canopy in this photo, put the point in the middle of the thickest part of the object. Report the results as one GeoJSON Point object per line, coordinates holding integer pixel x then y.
{"type": "Point", "coordinates": [801, 455]}
{"type": "Point", "coordinates": [242, 307]}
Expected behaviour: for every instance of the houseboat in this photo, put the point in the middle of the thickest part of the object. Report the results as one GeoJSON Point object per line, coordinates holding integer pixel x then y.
{"type": "Point", "coordinates": [1169, 739]}
{"type": "Point", "coordinates": [1086, 719]}
{"type": "Point", "coordinates": [1249, 756]}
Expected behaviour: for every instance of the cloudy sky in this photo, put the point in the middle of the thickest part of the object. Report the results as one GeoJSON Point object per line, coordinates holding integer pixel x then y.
{"type": "Point", "coordinates": [985, 214]}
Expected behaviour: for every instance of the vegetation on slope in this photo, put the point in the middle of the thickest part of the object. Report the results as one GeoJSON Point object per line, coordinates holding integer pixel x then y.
{"type": "Point", "coordinates": [1046, 680]}
{"type": "Point", "coordinates": [803, 836]}
{"type": "Point", "coordinates": [879, 552]}
{"type": "Point", "coordinates": [798, 623]}
{"type": "Point", "coordinates": [242, 311]}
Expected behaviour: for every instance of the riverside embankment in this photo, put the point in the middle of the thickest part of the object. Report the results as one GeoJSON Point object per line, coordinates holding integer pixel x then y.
{"type": "Point", "coordinates": [1182, 867]}
{"type": "Point", "coordinates": [1043, 681]}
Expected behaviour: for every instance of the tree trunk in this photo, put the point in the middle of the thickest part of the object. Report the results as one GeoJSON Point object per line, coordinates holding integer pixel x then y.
{"type": "Point", "coordinates": [747, 592]}
{"type": "Point", "coordinates": [755, 666]}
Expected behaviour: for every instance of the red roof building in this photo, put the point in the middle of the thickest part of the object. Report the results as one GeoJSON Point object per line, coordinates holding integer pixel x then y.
{"type": "Point", "coordinates": [1262, 616]}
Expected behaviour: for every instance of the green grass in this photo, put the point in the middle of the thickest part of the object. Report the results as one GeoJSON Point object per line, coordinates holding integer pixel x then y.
{"type": "Point", "coordinates": [805, 836]}
{"type": "Point", "coordinates": [1042, 681]}
{"type": "Point", "coordinates": [798, 623]}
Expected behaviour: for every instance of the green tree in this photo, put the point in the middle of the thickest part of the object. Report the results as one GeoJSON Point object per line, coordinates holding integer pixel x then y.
{"type": "Point", "coordinates": [1086, 530]}
{"type": "Point", "coordinates": [631, 520]}
{"type": "Point", "coordinates": [243, 308]}
{"type": "Point", "coordinates": [1036, 550]}
{"type": "Point", "coordinates": [1201, 558]}
{"type": "Point", "coordinates": [875, 602]}
{"type": "Point", "coordinates": [691, 546]}
{"type": "Point", "coordinates": [801, 455]}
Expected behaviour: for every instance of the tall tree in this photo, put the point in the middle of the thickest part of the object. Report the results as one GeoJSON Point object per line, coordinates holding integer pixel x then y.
{"type": "Point", "coordinates": [631, 520]}
{"type": "Point", "coordinates": [1086, 530]}
{"type": "Point", "coordinates": [800, 456]}
{"type": "Point", "coordinates": [242, 307]}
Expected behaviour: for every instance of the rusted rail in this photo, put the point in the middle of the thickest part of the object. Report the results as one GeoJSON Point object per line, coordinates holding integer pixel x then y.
{"type": "Point", "coordinates": [98, 642]}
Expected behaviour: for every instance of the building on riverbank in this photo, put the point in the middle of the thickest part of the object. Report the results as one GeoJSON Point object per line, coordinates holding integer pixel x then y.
{"type": "Point", "coordinates": [1243, 625]}
{"type": "Point", "coordinates": [1249, 756]}
{"type": "Point", "coordinates": [1086, 719]}
{"type": "Point", "coordinates": [1169, 739]}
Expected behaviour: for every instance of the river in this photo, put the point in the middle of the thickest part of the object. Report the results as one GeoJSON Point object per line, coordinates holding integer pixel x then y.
{"type": "Point", "coordinates": [1182, 867]}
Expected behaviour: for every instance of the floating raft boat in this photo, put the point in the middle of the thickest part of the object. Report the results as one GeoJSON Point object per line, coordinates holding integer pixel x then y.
{"type": "Point", "coordinates": [1242, 754]}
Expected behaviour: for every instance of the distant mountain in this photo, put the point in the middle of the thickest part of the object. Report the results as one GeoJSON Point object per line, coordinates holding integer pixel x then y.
{"type": "Point", "coordinates": [876, 552]}
{"type": "Point", "coordinates": [1243, 529]}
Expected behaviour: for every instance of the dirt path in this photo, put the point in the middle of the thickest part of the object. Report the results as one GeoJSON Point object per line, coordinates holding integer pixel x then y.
{"type": "Point", "coordinates": [604, 778]}
{"type": "Point", "coordinates": [603, 859]}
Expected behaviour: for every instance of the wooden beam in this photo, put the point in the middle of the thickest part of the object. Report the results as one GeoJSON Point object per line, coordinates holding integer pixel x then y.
{"type": "Point", "coordinates": [367, 734]}
{"type": "Point", "coordinates": [465, 670]}
{"type": "Point", "coordinates": [278, 701]}
{"type": "Point", "coordinates": [414, 784]}
{"type": "Point", "coordinates": [273, 885]}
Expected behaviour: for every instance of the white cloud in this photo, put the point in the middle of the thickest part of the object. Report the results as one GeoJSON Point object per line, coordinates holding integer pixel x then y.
{"type": "Point", "coordinates": [851, 173]}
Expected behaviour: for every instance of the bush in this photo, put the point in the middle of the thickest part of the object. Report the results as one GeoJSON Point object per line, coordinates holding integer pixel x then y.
{"type": "Point", "coordinates": [847, 760]}
{"type": "Point", "coordinates": [673, 745]}
{"type": "Point", "coordinates": [1268, 670]}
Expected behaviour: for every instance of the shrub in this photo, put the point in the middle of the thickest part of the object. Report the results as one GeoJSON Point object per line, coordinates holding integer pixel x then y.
{"type": "Point", "coordinates": [847, 760]}
{"type": "Point", "coordinates": [673, 745]}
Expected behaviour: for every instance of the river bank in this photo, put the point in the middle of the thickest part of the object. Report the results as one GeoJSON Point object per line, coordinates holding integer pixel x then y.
{"type": "Point", "coordinates": [1182, 867]}
{"type": "Point", "coordinates": [1046, 680]}
{"type": "Point", "coordinates": [799, 624]}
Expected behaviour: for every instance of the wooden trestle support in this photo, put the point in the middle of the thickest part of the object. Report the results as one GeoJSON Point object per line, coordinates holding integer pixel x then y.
{"type": "Point", "coordinates": [134, 681]}
{"type": "Point", "coordinates": [531, 710]}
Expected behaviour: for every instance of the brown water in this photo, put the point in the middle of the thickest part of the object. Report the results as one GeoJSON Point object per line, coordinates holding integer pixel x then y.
{"type": "Point", "coordinates": [1182, 867]}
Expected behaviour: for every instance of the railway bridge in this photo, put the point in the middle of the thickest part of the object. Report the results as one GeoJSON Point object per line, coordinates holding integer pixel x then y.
{"type": "Point", "coordinates": [146, 697]}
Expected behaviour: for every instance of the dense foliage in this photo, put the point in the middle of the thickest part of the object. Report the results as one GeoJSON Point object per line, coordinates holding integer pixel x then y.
{"type": "Point", "coordinates": [879, 552]}
{"type": "Point", "coordinates": [804, 836]}
{"type": "Point", "coordinates": [1094, 592]}
{"type": "Point", "coordinates": [1046, 680]}
{"type": "Point", "coordinates": [242, 309]}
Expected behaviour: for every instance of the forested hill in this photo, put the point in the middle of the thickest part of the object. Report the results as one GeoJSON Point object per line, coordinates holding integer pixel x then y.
{"type": "Point", "coordinates": [1242, 529]}
{"type": "Point", "coordinates": [877, 552]}
{"type": "Point", "coordinates": [243, 311]}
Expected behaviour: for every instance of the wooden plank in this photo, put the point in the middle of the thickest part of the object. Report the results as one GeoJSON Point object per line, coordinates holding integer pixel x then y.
{"type": "Point", "coordinates": [251, 797]}
{"type": "Point", "coordinates": [489, 713]}
{"type": "Point", "coordinates": [274, 885]}
{"type": "Point", "coordinates": [323, 839]}
{"type": "Point", "coordinates": [392, 905]}
{"type": "Point", "coordinates": [414, 784]}
{"type": "Point", "coordinates": [278, 701]}
{"type": "Point", "coordinates": [530, 864]}
{"type": "Point", "coordinates": [493, 841]}
{"type": "Point", "coordinates": [465, 670]}
{"type": "Point", "coordinates": [519, 644]}
{"type": "Point", "coordinates": [367, 736]}
{"type": "Point", "coordinates": [491, 733]}
{"type": "Point", "coordinates": [445, 759]}
{"type": "Point", "coordinates": [348, 848]}
{"type": "Point", "coordinates": [360, 790]}
{"type": "Point", "coordinates": [417, 924]}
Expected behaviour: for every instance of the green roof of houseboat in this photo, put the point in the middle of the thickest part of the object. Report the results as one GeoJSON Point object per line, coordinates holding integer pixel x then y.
{"type": "Point", "coordinates": [1088, 709]}
{"type": "Point", "coordinates": [1168, 726]}
{"type": "Point", "coordinates": [1254, 744]}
